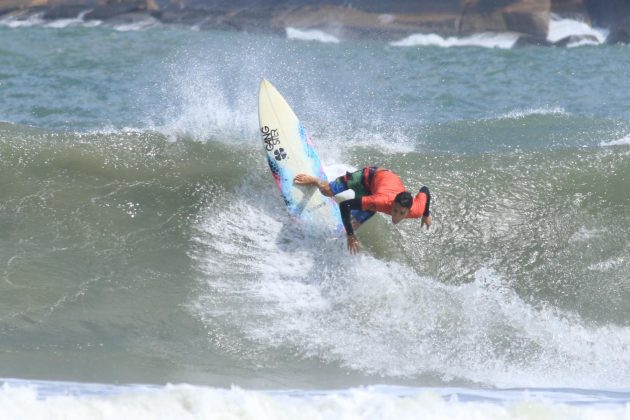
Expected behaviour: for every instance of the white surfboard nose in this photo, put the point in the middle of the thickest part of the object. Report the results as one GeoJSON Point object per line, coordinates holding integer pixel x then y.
{"type": "Point", "coordinates": [262, 85]}
{"type": "Point", "coordinates": [290, 152]}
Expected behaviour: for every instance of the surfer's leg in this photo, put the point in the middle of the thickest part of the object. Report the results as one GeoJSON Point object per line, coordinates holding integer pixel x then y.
{"type": "Point", "coordinates": [349, 181]}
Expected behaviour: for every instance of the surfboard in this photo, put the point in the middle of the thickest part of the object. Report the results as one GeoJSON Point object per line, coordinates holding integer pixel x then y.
{"type": "Point", "coordinates": [289, 151]}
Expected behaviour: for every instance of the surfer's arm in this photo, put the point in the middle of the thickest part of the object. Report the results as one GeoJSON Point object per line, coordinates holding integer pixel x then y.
{"type": "Point", "coordinates": [346, 208]}
{"type": "Point", "coordinates": [323, 186]}
{"type": "Point", "coordinates": [426, 214]}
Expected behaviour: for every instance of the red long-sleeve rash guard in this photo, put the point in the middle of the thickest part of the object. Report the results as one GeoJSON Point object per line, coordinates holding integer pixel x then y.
{"type": "Point", "coordinates": [384, 188]}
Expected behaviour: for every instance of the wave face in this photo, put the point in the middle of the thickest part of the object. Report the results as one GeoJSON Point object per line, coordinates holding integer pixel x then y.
{"type": "Point", "coordinates": [132, 243]}
{"type": "Point", "coordinates": [142, 239]}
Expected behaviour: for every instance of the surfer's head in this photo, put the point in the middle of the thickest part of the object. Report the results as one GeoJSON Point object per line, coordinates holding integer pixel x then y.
{"type": "Point", "coordinates": [402, 205]}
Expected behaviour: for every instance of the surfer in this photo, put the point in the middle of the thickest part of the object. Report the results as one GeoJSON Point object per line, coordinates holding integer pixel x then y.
{"type": "Point", "coordinates": [375, 189]}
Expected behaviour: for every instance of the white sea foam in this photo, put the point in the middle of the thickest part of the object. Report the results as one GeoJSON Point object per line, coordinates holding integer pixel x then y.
{"type": "Point", "coordinates": [486, 40]}
{"type": "Point", "coordinates": [36, 19]}
{"type": "Point", "coordinates": [311, 35]}
{"type": "Point", "coordinates": [201, 106]}
{"type": "Point", "coordinates": [607, 265]}
{"type": "Point", "coordinates": [77, 21]}
{"type": "Point", "coordinates": [584, 235]}
{"type": "Point", "coordinates": [27, 401]}
{"type": "Point", "coordinates": [207, 113]}
{"type": "Point", "coordinates": [185, 401]}
{"type": "Point", "coordinates": [558, 29]}
{"type": "Point", "coordinates": [146, 22]}
{"type": "Point", "coordinates": [203, 103]}
{"type": "Point", "coordinates": [19, 21]}
{"type": "Point", "coordinates": [562, 28]}
{"type": "Point", "coordinates": [63, 23]}
{"type": "Point", "coordinates": [625, 141]}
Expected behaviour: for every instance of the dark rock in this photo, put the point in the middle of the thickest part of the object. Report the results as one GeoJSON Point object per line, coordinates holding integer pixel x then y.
{"type": "Point", "coordinates": [407, 6]}
{"type": "Point", "coordinates": [64, 12]}
{"type": "Point", "coordinates": [369, 6]}
{"type": "Point", "coordinates": [258, 20]}
{"type": "Point", "coordinates": [157, 14]}
{"type": "Point", "coordinates": [532, 41]}
{"type": "Point", "coordinates": [112, 10]}
{"type": "Point", "coordinates": [376, 19]}
{"type": "Point", "coordinates": [8, 6]}
{"type": "Point", "coordinates": [607, 13]}
{"type": "Point", "coordinates": [572, 9]}
{"type": "Point", "coordinates": [355, 23]}
{"type": "Point", "coordinates": [488, 6]}
{"type": "Point", "coordinates": [184, 17]}
{"type": "Point", "coordinates": [131, 18]}
{"type": "Point", "coordinates": [529, 17]}
{"type": "Point", "coordinates": [536, 24]}
{"type": "Point", "coordinates": [620, 33]}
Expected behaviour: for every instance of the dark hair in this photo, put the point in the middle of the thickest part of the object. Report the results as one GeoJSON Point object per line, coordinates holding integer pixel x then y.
{"type": "Point", "coordinates": [404, 199]}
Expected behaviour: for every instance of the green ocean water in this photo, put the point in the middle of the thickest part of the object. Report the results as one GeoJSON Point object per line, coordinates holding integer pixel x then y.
{"type": "Point", "coordinates": [142, 239]}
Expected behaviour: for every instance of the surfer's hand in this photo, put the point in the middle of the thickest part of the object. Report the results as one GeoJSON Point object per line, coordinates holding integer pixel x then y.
{"type": "Point", "coordinates": [305, 179]}
{"type": "Point", "coordinates": [426, 221]}
{"type": "Point", "coordinates": [353, 244]}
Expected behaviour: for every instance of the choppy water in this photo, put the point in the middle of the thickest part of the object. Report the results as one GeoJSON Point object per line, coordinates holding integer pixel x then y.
{"type": "Point", "coordinates": [139, 242]}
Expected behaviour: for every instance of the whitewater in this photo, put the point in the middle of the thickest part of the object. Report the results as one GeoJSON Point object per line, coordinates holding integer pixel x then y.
{"type": "Point", "coordinates": [149, 269]}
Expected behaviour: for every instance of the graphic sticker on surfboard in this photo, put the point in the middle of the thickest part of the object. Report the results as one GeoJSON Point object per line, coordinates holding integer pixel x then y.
{"type": "Point", "coordinates": [290, 152]}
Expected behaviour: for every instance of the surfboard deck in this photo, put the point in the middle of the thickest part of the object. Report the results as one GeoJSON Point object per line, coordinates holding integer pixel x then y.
{"type": "Point", "coordinates": [289, 151]}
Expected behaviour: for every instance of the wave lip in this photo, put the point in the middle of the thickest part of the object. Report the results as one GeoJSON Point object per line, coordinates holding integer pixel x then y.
{"type": "Point", "coordinates": [311, 35]}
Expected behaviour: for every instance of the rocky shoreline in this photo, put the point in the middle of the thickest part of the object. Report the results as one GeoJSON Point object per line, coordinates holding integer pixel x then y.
{"type": "Point", "coordinates": [363, 19]}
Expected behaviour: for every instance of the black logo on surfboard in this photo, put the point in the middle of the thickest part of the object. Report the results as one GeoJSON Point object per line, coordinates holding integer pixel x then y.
{"type": "Point", "coordinates": [271, 138]}
{"type": "Point", "coordinates": [280, 154]}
